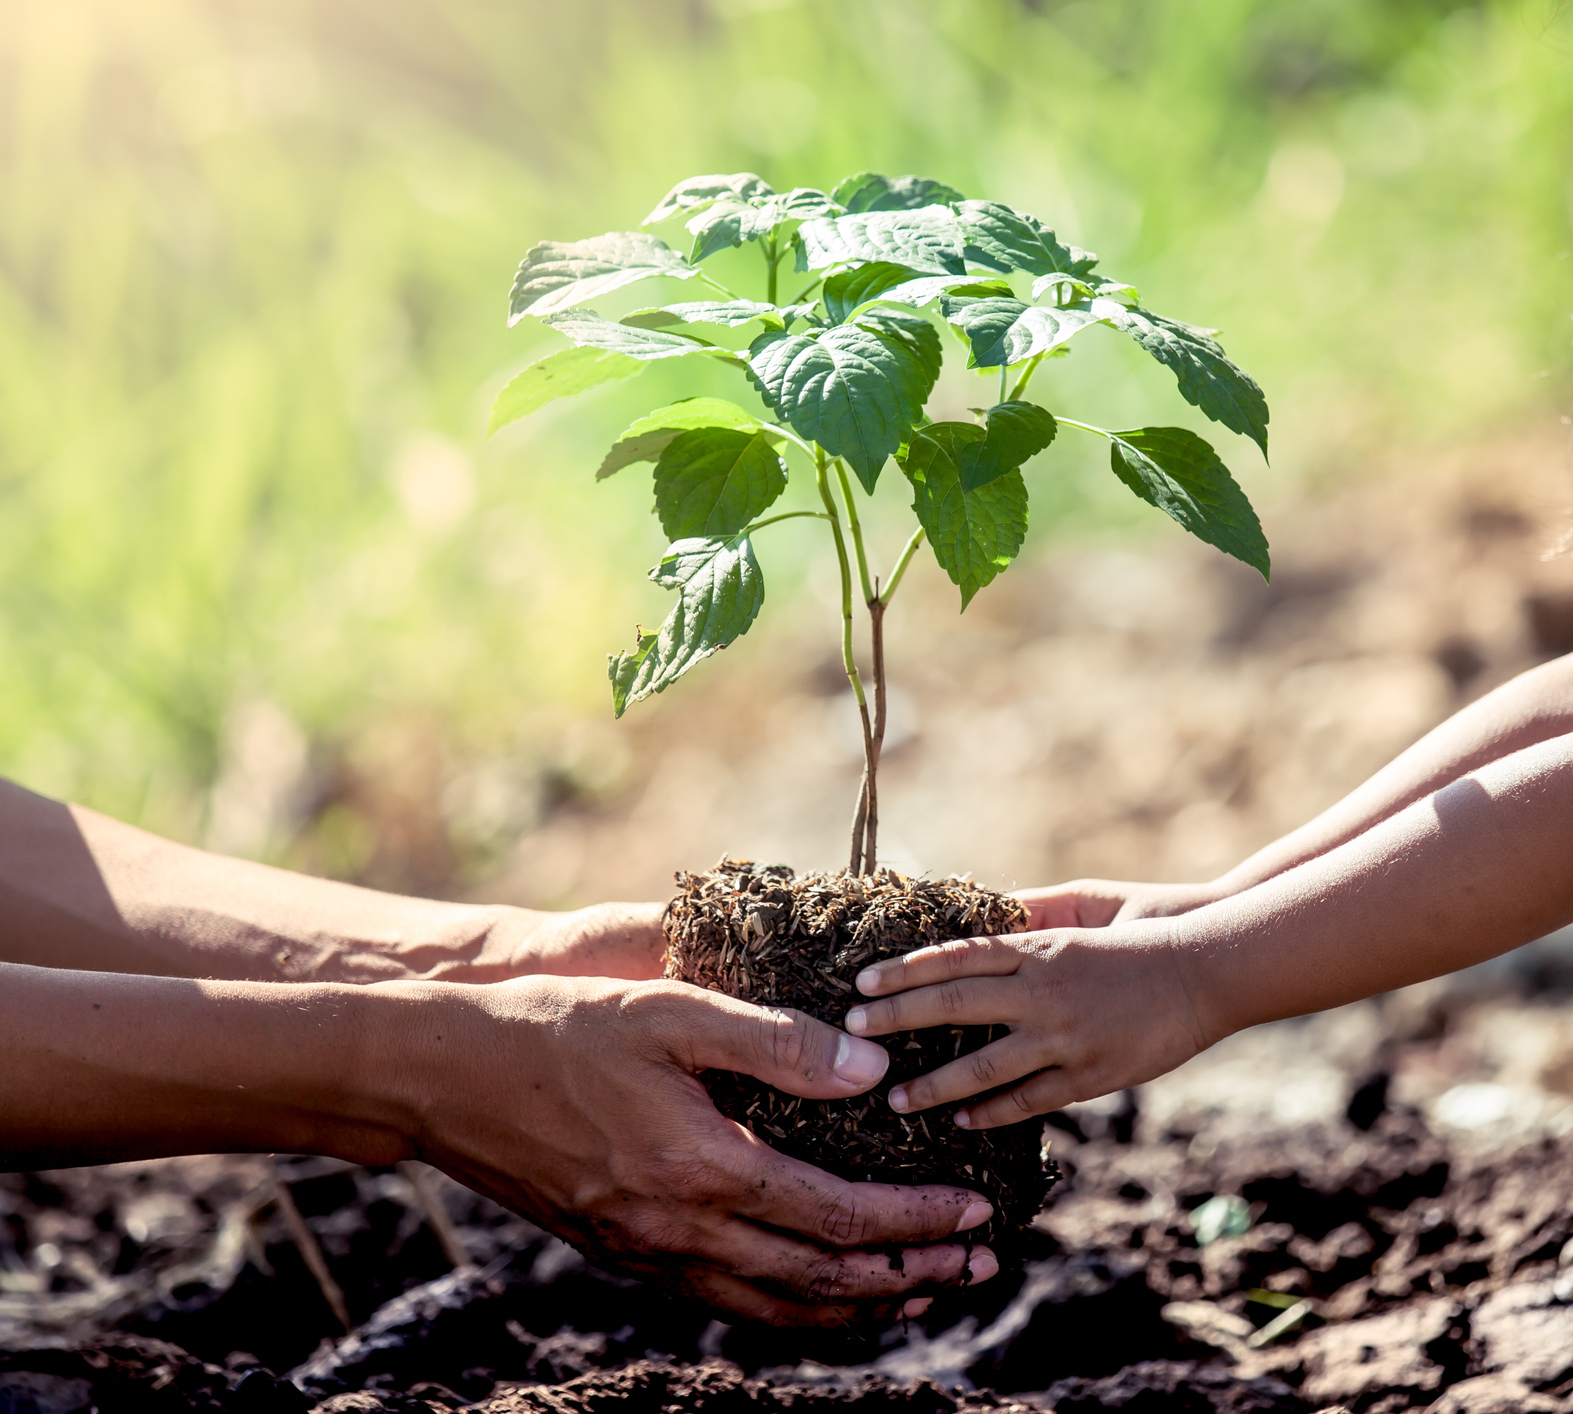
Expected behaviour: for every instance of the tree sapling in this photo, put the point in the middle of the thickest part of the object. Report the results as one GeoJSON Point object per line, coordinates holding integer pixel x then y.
{"type": "Point", "coordinates": [843, 367]}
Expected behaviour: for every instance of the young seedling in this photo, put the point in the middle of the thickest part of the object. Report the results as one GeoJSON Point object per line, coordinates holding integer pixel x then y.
{"type": "Point", "coordinates": [844, 366]}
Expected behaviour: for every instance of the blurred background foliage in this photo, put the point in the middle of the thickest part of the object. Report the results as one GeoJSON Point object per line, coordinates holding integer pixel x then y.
{"type": "Point", "coordinates": [253, 267]}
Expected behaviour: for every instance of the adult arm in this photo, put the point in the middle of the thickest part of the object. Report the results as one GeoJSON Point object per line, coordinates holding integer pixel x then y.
{"type": "Point", "coordinates": [1472, 870]}
{"type": "Point", "coordinates": [573, 1101]}
{"type": "Point", "coordinates": [80, 890]}
{"type": "Point", "coordinates": [1534, 707]}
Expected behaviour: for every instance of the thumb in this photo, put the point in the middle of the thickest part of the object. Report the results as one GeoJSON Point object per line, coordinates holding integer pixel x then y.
{"type": "Point", "coordinates": [784, 1048]}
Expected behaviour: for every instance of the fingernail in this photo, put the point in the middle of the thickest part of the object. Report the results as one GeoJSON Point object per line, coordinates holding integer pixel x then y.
{"type": "Point", "coordinates": [857, 1021]}
{"type": "Point", "coordinates": [983, 1265]}
{"type": "Point", "coordinates": [898, 1100]}
{"type": "Point", "coordinates": [859, 1063]}
{"type": "Point", "coordinates": [963, 1119]}
{"type": "Point", "coordinates": [867, 980]}
{"type": "Point", "coordinates": [916, 1307]}
{"type": "Point", "coordinates": [976, 1213]}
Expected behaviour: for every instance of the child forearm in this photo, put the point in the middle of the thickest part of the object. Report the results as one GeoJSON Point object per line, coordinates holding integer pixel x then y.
{"type": "Point", "coordinates": [1470, 871]}
{"type": "Point", "coordinates": [1534, 707]}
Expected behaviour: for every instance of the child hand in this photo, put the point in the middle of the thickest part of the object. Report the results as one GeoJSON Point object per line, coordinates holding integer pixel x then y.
{"type": "Point", "coordinates": [1096, 903]}
{"type": "Point", "coordinates": [1089, 1012]}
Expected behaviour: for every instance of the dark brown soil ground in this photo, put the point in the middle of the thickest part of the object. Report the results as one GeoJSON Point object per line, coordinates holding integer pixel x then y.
{"type": "Point", "coordinates": [756, 932]}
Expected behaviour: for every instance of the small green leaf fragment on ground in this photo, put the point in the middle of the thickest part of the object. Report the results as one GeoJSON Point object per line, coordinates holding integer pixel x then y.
{"type": "Point", "coordinates": [1207, 378]}
{"type": "Point", "coordinates": [720, 591]}
{"type": "Point", "coordinates": [558, 375]}
{"type": "Point", "coordinates": [715, 481]}
{"type": "Point", "coordinates": [975, 534]}
{"type": "Point", "coordinates": [556, 275]}
{"type": "Point", "coordinates": [1177, 471]}
{"type": "Point", "coordinates": [647, 437]}
{"type": "Point", "coordinates": [1223, 1215]}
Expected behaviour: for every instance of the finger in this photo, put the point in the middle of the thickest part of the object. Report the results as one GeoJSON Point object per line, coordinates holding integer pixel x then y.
{"type": "Point", "coordinates": [1049, 1090]}
{"type": "Point", "coordinates": [966, 957]}
{"type": "Point", "coordinates": [736, 1298]}
{"type": "Point", "coordinates": [796, 1197]}
{"type": "Point", "coordinates": [974, 1001]}
{"type": "Point", "coordinates": [986, 1068]}
{"type": "Point", "coordinates": [787, 1049]}
{"type": "Point", "coordinates": [1086, 903]}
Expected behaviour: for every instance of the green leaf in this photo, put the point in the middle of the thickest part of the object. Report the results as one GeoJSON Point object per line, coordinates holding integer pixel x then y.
{"type": "Point", "coordinates": [848, 291]}
{"type": "Point", "coordinates": [730, 313]}
{"type": "Point", "coordinates": [1180, 473]}
{"type": "Point", "coordinates": [730, 223]}
{"type": "Point", "coordinates": [558, 375]}
{"type": "Point", "coordinates": [1016, 432]}
{"type": "Point", "coordinates": [914, 334]}
{"type": "Point", "coordinates": [650, 435]}
{"type": "Point", "coordinates": [586, 328]}
{"type": "Point", "coordinates": [975, 534]}
{"type": "Point", "coordinates": [1006, 331]}
{"type": "Point", "coordinates": [1207, 379]}
{"type": "Point", "coordinates": [854, 390]}
{"type": "Point", "coordinates": [870, 191]}
{"type": "Point", "coordinates": [557, 275]}
{"type": "Point", "coordinates": [1003, 239]}
{"type": "Point", "coordinates": [1090, 287]}
{"type": "Point", "coordinates": [701, 191]}
{"type": "Point", "coordinates": [927, 240]}
{"type": "Point", "coordinates": [715, 481]}
{"type": "Point", "coordinates": [720, 591]}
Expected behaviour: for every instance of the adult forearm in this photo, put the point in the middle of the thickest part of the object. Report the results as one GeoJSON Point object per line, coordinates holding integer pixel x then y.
{"type": "Point", "coordinates": [1534, 707]}
{"type": "Point", "coordinates": [1466, 873]}
{"type": "Point", "coordinates": [99, 1067]}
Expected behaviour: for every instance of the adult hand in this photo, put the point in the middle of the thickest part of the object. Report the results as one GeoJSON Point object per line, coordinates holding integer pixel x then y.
{"type": "Point", "coordinates": [578, 1103]}
{"type": "Point", "coordinates": [604, 940]}
{"type": "Point", "coordinates": [1096, 903]}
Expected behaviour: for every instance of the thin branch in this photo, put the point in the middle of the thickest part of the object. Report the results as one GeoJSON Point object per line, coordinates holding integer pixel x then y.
{"type": "Point", "coordinates": [785, 515]}
{"type": "Point", "coordinates": [717, 285]}
{"type": "Point", "coordinates": [1085, 427]}
{"type": "Point", "coordinates": [857, 530]}
{"type": "Point", "coordinates": [1026, 376]}
{"type": "Point", "coordinates": [908, 551]}
{"type": "Point", "coordinates": [876, 620]}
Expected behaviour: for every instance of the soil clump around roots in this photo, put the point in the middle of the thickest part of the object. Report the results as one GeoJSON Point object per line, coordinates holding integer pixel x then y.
{"type": "Point", "coordinates": [761, 934]}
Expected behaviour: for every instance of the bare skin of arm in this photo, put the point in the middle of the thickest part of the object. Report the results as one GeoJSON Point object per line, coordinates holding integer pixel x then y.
{"type": "Point", "coordinates": [1532, 708]}
{"type": "Point", "coordinates": [80, 890]}
{"type": "Point", "coordinates": [1466, 872]}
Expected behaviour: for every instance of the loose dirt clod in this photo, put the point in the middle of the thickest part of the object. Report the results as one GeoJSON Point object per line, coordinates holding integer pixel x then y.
{"type": "Point", "coordinates": [758, 933]}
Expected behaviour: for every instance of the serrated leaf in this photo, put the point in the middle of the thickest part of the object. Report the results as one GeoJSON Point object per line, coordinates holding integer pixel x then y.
{"type": "Point", "coordinates": [926, 240]}
{"type": "Point", "coordinates": [557, 275]}
{"type": "Point", "coordinates": [1178, 472]}
{"type": "Point", "coordinates": [715, 481]}
{"type": "Point", "coordinates": [975, 534]}
{"type": "Point", "coordinates": [998, 237]}
{"type": "Point", "coordinates": [1016, 431]}
{"type": "Point", "coordinates": [730, 313]}
{"type": "Point", "coordinates": [700, 191]}
{"type": "Point", "coordinates": [854, 390]}
{"type": "Point", "coordinates": [558, 375]}
{"type": "Point", "coordinates": [848, 291]}
{"type": "Point", "coordinates": [872, 191]}
{"type": "Point", "coordinates": [1207, 378]}
{"type": "Point", "coordinates": [1007, 330]}
{"type": "Point", "coordinates": [917, 336]}
{"type": "Point", "coordinates": [729, 223]}
{"type": "Point", "coordinates": [720, 591]}
{"type": "Point", "coordinates": [1085, 287]}
{"type": "Point", "coordinates": [650, 435]}
{"type": "Point", "coordinates": [586, 328]}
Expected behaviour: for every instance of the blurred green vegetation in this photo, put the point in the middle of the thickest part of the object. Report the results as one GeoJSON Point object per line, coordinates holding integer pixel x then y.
{"type": "Point", "coordinates": [253, 266]}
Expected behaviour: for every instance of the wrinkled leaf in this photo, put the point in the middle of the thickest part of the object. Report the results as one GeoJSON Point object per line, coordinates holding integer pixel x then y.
{"type": "Point", "coordinates": [848, 291]}
{"type": "Point", "coordinates": [1006, 331]}
{"type": "Point", "coordinates": [917, 336]}
{"type": "Point", "coordinates": [651, 434]}
{"type": "Point", "coordinates": [871, 191]}
{"type": "Point", "coordinates": [716, 480]}
{"type": "Point", "coordinates": [854, 390]}
{"type": "Point", "coordinates": [700, 191]}
{"type": "Point", "coordinates": [587, 329]}
{"type": "Point", "coordinates": [730, 223]}
{"type": "Point", "coordinates": [557, 275]}
{"type": "Point", "coordinates": [1003, 239]}
{"type": "Point", "coordinates": [975, 534]}
{"type": "Point", "coordinates": [1178, 472]}
{"type": "Point", "coordinates": [1207, 379]}
{"type": "Point", "coordinates": [720, 591]}
{"type": "Point", "coordinates": [731, 313]}
{"type": "Point", "coordinates": [558, 375]}
{"type": "Point", "coordinates": [927, 240]}
{"type": "Point", "coordinates": [1016, 431]}
{"type": "Point", "coordinates": [1085, 287]}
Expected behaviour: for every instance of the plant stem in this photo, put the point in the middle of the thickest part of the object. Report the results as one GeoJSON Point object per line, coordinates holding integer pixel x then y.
{"type": "Point", "coordinates": [1085, 427]}
{"type": "Point", "coordinates": [717, 285]}
{"type": "Point", "coordinates": [848, 661]}
{"type": "Point", "coordinates": [1026, 376]}
{"type": "Point", "coordinates": [771, 261]}
{"type": "Point", "coordinates": [1003, 371]}
{"type": "Point", "coordinates": [785, 515]}
{"type": "Point", "coordinates": [856, 529]}
{"type": "Point", "coordinates": [908, 551]}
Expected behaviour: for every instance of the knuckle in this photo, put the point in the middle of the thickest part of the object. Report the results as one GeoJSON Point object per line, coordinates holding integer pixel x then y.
{"type": "Point", "coordinates": [843, 1221]}
{"type": "Point", "coordinates": [985, 1068]}
{"type": "Point", "coordinates": [1020, 1100]}
{"type": "Point", "coordinates": [952, 998]}
{"type": "Point", "coordinates": [785, 1038]}
{"type": "Point", "coordinates": [956, 956]}
{"type": "Point", "coordinates": [822, 1281]}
